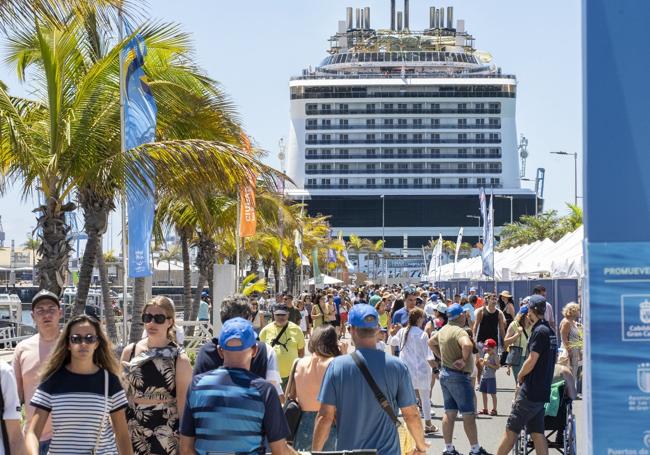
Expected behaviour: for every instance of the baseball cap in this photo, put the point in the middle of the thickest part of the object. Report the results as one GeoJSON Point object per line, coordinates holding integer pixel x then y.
{"type": "Point", "coordinates": [523, 309]}
{"type": "Point", "coordinates": [363, 316]}
{"type": "Point", "coordinates": [441, 308]}
{"type": "Point", "coordinates": [454, 311]}
{"type": "Point", "coordinates": [45, 294]}
{"type": "Point", "coordinates": [490, 343]}
{"type": "Point", "coordinates": [281, 308]}
{"type": "Point", "coordinates": [237, 334]}
{"type": "Point", "coordinates": [472, 289]}
{"type": "Point", "coordinates": [537, 303]}
{"type": "Point", "coordinates": [433, 297]}
{"type": "Point", "coordinates": [374, 300]}
{"type": "Point", "coordinates": [429, 308]}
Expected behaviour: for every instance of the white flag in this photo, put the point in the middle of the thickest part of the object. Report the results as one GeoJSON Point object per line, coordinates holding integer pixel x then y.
{"type": "Point", "coordinates": [297, 241]}
{"type": "Point", "coordinates": [459, 239]}
{"type": "Point", "coordinates": [436, 258]}
{"type": "Point", "coordinates": [348, 263]}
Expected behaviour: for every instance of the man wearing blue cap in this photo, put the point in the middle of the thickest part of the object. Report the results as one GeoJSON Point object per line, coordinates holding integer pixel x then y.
{"type": "Point", "coordinates": [453, 345]}
{"type": "Point", "coordinates": [347, 397]}
{"type": "Point", "coordinates": [535, 378]}
{"type": "Point", "coordinates": [251, 404]}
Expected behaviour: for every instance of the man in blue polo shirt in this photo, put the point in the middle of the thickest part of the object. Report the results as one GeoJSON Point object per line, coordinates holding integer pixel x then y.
{"type": "Point", "coordinates": [535, 377]}
{"type": "Point", "coordinates": [346, 397]}
{"type": "Point", "coordinates": [250, 403]}
{"type": "Point", "coordinates": [401, 316]}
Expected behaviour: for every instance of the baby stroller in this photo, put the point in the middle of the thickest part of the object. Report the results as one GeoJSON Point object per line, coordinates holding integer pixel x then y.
{"type": "Point", "coordinates": [560, 429]}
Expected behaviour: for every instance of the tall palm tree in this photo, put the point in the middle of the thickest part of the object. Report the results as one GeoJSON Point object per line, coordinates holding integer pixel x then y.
{"type": "Point", "coordinates": [168, 255]}
{"type": "Point", "coordinates": [32, 244]}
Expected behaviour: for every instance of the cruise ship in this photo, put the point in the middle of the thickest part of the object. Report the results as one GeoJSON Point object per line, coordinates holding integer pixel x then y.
{"type": "Point", "coordinates": [394, 133]}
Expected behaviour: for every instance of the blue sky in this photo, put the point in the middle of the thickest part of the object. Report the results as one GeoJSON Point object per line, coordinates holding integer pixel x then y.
{"type": "Point", "coordinates": [253, 48]}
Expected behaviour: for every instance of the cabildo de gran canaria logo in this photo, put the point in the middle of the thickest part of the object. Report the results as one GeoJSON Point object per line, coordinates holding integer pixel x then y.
{"type": "Point", "coordinates": [643, 378]}
{"type": "Point", "coordinates": [636, 317]}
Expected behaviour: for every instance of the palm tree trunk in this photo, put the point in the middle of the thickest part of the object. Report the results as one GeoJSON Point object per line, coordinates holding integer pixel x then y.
{"type": "Point", "coordinates": [109, 315]}
{"type": "Point", "coordinates": [138, 304]}
{"type": "Point", "coordinates": [187, 276]}
{"type": "Point", "coordinates": [55, 245]}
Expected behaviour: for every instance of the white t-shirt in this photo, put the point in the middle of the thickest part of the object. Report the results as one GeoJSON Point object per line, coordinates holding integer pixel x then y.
{"type": "Point", "coordinates": [10, 395]}
{"type": "Point", "coordinates": [303, 320]}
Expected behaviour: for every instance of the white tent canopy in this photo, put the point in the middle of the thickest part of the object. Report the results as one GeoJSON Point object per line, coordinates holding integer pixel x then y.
{"type": "Point", "coordinates": [561, 259]}
{"type": "Point", "coordinates": [326, 280]}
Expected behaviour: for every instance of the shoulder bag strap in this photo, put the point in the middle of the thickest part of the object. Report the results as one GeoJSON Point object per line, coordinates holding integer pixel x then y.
{"type": "Point", "coordinates": [132, 351]}
{"type": "Point", "coordinates": [279, 335]}
{"type": "Point", "coordinates": [101, 424]}
{"type": "Point", "coordinates": [379, 395]}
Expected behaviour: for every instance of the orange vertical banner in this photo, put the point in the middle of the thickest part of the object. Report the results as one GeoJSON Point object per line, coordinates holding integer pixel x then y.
{"type": "Point", "coordinates": [247, 216]}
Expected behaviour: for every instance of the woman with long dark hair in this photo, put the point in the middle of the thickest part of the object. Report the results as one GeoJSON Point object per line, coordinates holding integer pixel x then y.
{"type": "Point", "coordinates": [81, 391]}
{"type": "Point", "coordinates": [305, 381]}
{"type": "Point", "coordinates": [157, 374]}
{"type": "Point", "coordinates": [415, 353]}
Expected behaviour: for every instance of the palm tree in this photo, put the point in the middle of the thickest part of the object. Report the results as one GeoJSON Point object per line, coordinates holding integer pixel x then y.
{"type": "Point", "coordinates": [531, 228]}
{"type": "Point", "coordinates": [167, 255]}
{"type": "Point", "coordinates": [32, 244]}
{"type": "Point", "coordinates": [109, 315]}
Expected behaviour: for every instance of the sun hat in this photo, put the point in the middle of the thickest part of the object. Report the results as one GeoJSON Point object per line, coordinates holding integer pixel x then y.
{"type": "Point", "coordinates": [441, 308]}
{"type": "Point", "coordinates": [429, 309]}
{"type": "Point", "coordinates": [237, 334]}
{"type": "Point", "coordinates": [363, 316]}
{"type": "Point", "coordinates": [281, 308]}
{"type": "Point", "coordinates": [506, 294]}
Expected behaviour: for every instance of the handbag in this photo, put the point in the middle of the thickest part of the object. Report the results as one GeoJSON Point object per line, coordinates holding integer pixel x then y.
{"type": "Point", "coordinates": [104, 414]}
{"type": "Point", "coordinates": [515, 354]}
{"type": "Point", "coordinates": [291, 408]}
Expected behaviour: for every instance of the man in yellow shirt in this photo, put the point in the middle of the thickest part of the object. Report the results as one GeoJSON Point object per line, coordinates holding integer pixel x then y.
{"type": "Point", "coordinates": [286, 339]}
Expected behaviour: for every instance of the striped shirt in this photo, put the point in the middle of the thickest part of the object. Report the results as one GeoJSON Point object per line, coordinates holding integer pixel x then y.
{"type": "Point", "coordinates": [230, 410]}
{"type": "Point", "coordinates": [76, 405]}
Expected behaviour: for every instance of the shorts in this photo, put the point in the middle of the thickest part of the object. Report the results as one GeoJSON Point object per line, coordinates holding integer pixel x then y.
{"type": "Point", "coordinates": [344, 318]}
{"type": "Point", "coordinates": [526, 413]}
{"type": "Point", "coordinates": [488, 385]}
{"type": "Point", "coordinates": [457, 392]}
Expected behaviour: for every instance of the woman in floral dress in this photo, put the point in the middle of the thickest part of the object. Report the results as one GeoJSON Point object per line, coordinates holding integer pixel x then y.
{"type": "Point", "coordinates": [157, 374]}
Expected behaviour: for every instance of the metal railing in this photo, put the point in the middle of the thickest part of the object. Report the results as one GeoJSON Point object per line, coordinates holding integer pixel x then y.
{"type": "Point", "coordinates": [401, 141]}
{"type": "Point", "coordinates": [380, 156]}
{"type": "Point", "coordinates": [404, 127]}
{"type": "Point", "coordinates": [401, 111]}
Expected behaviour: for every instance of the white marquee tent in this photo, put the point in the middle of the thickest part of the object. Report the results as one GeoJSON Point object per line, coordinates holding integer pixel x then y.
{"type": "Point", "coordinates": [561, 259]}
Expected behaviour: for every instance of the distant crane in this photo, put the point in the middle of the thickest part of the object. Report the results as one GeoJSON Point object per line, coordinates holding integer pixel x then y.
{"type": "Point", "coordinates": [523, 154]}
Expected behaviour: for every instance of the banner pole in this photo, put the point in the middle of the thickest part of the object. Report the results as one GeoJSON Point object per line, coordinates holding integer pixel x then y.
{"type": "Point", "coordinates": [125, 262]}
{"type": "Point", "coordinates": [237, 242]}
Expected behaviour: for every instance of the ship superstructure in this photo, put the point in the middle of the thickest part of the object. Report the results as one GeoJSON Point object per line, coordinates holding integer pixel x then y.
{"type": "Point", "coordinates": [396, 130]}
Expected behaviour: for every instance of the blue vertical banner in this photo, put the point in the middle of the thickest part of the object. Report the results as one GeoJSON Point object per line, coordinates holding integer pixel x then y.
{"type": "Point", "coordinates": [483, 205]}
{"type": "Point", "coordinates": [139, 128]}
{"type": "Point", "coordinates": [617, 233]}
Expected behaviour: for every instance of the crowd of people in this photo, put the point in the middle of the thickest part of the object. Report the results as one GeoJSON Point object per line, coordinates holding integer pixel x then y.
{"type": "Point", "coordinates": [283, 376]}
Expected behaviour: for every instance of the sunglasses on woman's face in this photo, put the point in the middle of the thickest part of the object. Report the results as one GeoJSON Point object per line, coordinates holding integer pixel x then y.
{"type": "Point", "coordinates": [85, 339]}
{"type": "Point", "coordinates": [157, 318]}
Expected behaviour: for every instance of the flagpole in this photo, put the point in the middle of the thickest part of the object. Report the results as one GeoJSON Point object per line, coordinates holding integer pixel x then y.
{"type": "Point", "coordinates": [237, 242]}
{"type": "Point", "coordinates": [125, 262]}
{"type": "Point", "coordinates": [494, 272]}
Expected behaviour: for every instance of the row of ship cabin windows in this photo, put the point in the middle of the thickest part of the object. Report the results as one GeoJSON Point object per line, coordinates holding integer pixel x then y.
{"type": "Point", "coordinates": [493, 152]}
{"type": "Point", "coordinates": [324, 108]}
{"type": "Point", "coordinates": [462, 182]}
{"type": "Point", "coordinates": [408, 56]}
{"type": "Point", "coordinates": [371, 138]}
{"type": "Point", "coordinates": [388, 122]}
{"type": "Point", "coordinates": [449, 167]}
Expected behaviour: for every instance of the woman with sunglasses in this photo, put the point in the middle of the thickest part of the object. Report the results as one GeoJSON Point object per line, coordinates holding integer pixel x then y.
{"type": "Point", "coordinates": [156, 374]}
{"type": "Point", "coordinates": [82, 394]}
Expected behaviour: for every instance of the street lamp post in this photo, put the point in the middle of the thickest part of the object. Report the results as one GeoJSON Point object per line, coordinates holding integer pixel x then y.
{"type": "Point", "coordinates": [525, 179]}
{"type": "Point", "coordinates": [511, 201]}
{"type": "Point", "coordinates": [383, 236]}
{"type": "Point", "coordinates": [575, 173]}
{"type": "Point", "coordinates": [281, 157]}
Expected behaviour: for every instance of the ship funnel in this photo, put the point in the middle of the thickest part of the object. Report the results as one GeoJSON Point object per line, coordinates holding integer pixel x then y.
{"type": "Point", "coordinates": [366, 15]}
{"type": "Point", "coordinates": [432, 17]}
{"type": "Point", "coordinates": [406, 14]}
{"type": "Point", "coordinates": [392, 15]}
{"type": "Point", "coordinates": [450, 17]}
{"type": "Point", "coordinates": [362, 19]}
{"type": "Point", "coordinates": [437, 20]}
{"type": "Point", "coordinates": [358, 18]}
{"type": "Point", "coordinates": [399, 21]}
{"type": "Point", "coordinates": [348, 15]}
{"type": "Point", "coordinates": [442, 18]}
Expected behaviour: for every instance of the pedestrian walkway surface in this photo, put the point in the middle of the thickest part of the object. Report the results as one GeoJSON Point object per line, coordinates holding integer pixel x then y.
{"type": "Point", "coordinates": [490, 429]}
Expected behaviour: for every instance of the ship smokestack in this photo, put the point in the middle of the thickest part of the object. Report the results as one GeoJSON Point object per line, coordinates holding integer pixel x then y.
{"type": "Point", "coordinates": [406, 14]}
{"type": "Point", "coordinates": [392, 15]}
{"type": "Point", "coordinates": [399, 21]}
{"type": "Point", "coordinates": [362, 19]}
{"type": "Point", "coordinates": [367, 17]}
{"type": "Point", "coordinates": [348, 14]}
{"type": "Point", "coordinates": [432, 17]}
{"type": "Point", "coordinates": [358, 18]}
{"type": "Point", "coordinates": [450, 17]}
{"type": "Point", "coordinates": [442, 17]}
{"type": "Point", "coordinates": [437, 21]}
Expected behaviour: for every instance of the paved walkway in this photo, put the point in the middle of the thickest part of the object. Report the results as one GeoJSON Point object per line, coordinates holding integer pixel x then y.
{"type": "Point", "coordinates": [490, 429]}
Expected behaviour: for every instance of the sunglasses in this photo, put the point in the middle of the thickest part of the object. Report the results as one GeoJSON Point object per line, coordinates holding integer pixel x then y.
{"type": "Point", "coordinates": [85, 339]}
{"type": "Point", "coordinates": [157, 318]}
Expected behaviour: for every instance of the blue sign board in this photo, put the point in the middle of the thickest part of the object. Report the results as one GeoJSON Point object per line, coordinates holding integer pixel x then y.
{"type": "Point", "coordinates": [617, 227]}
